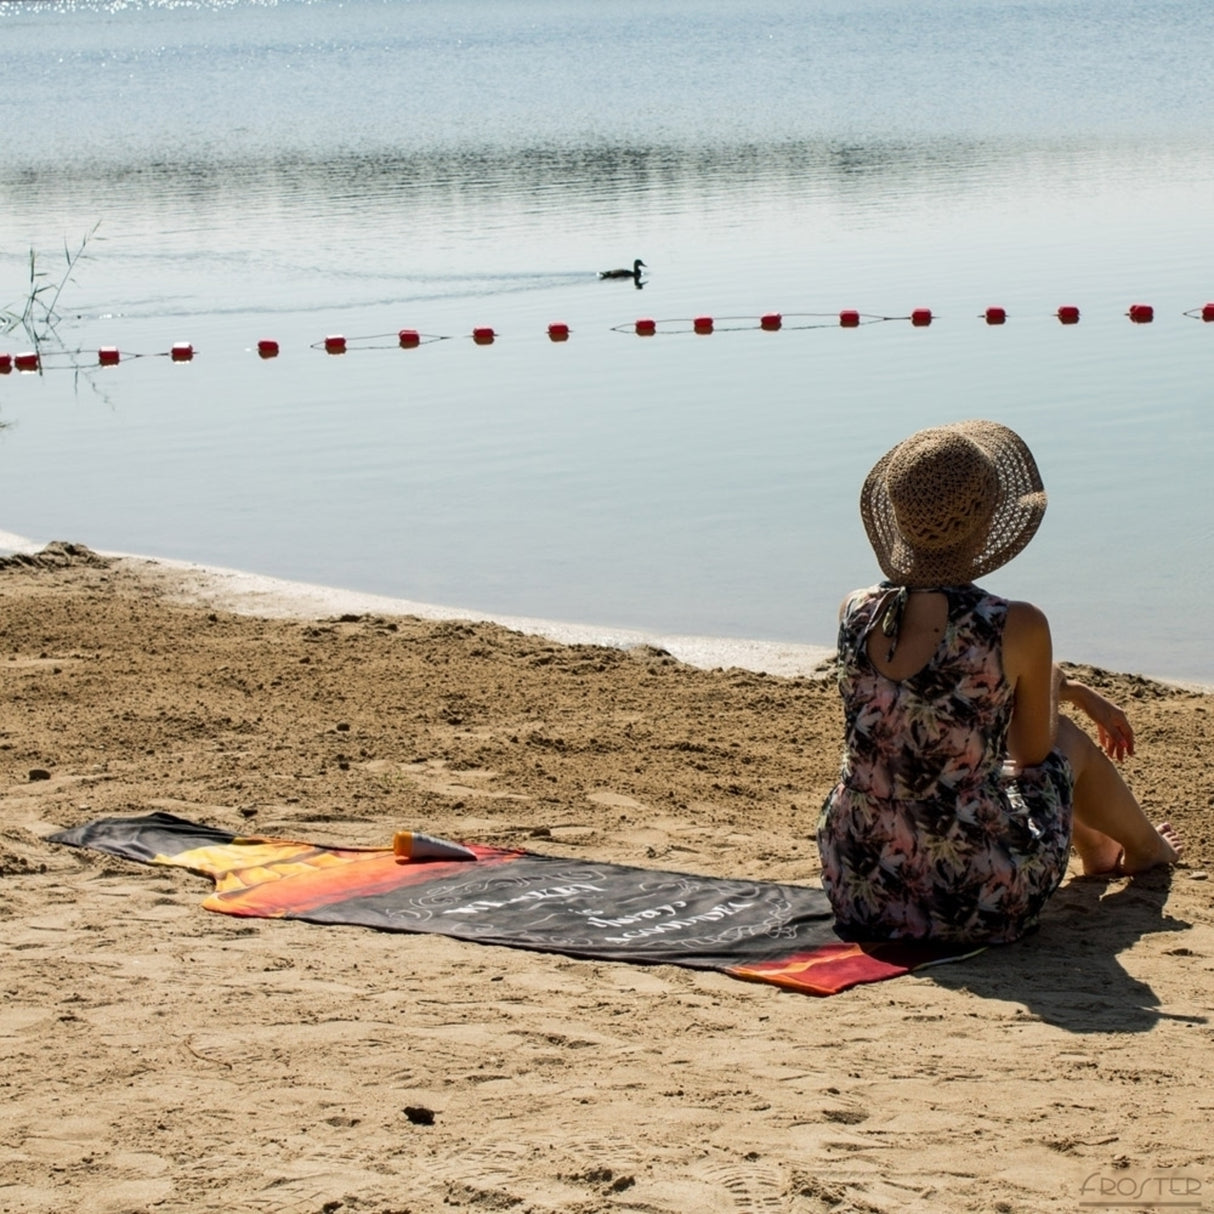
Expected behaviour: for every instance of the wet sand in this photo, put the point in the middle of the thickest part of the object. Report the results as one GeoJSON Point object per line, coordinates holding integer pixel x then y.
{"type": "Point", "coordinates": [160, 1058]}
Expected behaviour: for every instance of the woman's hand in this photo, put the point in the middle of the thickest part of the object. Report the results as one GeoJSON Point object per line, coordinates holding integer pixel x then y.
{"type": "Point", "coordinates": [1113, 729]}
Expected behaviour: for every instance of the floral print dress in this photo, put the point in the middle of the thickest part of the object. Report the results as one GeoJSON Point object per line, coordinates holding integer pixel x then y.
{"type": "Point", "coordinates": [929, 833]}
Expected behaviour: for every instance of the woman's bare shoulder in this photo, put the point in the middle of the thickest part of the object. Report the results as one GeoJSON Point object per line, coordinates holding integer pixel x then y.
{"type": "Point", "coordinates": [1026, 635]}
{"type": "Point", "coordinates": [1026, 618]}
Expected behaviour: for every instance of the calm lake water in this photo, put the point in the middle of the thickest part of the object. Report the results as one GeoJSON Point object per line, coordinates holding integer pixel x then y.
{"type": "Point", "coordinates": [293, 170]}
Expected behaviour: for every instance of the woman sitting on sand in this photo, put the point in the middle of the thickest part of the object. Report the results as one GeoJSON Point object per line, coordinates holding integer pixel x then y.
{"type": "Point", "coordinates": [962, 787]}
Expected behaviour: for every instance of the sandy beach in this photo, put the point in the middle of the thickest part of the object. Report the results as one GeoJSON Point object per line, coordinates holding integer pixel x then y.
{"type": "Point", "coordinates": [160, 1058]}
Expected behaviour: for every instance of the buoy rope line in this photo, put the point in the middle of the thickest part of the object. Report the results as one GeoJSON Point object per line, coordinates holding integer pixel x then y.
{"type": "Point", "coordinates": [771, 322]}
{"type": "Point", "coordinates": [106, 354]}
{"type": "Point", "coordinates": [405, 338]}
{"type": "Point", "coordinates": [73, 360]}
{"type": "Point", "coordinates": [558, 331]}
{"type": "Point", "coordinates": [828, 320]}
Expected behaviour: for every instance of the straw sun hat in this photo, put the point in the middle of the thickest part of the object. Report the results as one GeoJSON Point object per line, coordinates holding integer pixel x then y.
{"type": "Point", "coordinates": [951, 503]}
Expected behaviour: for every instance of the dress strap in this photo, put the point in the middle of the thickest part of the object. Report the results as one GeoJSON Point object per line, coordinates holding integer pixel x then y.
{"type": "Point", "coordinates": [889, 612]}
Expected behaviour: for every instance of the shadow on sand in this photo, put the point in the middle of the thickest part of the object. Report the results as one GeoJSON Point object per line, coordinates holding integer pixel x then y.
{"type": "Point", "coordinates": [1068, 972]}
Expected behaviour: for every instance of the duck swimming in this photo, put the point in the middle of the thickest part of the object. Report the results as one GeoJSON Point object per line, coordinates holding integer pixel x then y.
{"type": "Point", "coordinates": [634, 273]}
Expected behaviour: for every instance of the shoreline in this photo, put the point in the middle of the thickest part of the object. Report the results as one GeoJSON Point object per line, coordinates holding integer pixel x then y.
{"type": "Point", "coordinates": [258, 595]}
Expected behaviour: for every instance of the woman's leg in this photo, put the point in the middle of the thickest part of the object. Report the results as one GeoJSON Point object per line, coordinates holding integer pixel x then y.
{"type": "Point", "coordinates": [1111, 832]}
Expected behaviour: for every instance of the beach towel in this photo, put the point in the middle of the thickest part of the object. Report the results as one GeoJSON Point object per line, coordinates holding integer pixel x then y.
{"type": "Point", "coordinates": [758, 930]}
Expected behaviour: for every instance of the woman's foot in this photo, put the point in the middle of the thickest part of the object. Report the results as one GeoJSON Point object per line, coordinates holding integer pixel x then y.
{"type": "Point", "coordinates": [1101, 860]}
{"type": "Point", "coordinates": [1103, 856]}
{"type": "Point", "coordinates": [1166, 848]}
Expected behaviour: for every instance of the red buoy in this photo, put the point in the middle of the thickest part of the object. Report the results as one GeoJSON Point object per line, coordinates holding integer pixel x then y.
{"type": "Point", "coordinates": [267, 347]}
{"type": "Point", "coordinates": [702, 324]}
{"type": "Point", "coordinates": [108, 356]}
{"type": "Point", "coordinates": [646, 327]}
{"type": "Point", "coordinates": [996, 316]}
{"type": "Point", "coordinates": [558, 331]}
{"type": "Point", "coordinates": [181, 352]}
{"type": "Point", "coordinates": [1141, 314]}
{"type": "Point", "coordinates": [335, 344]}
{"type": "Point", "coordinates": [6, 363]}
{"type": "Point", "coordinates": [483, 336]}
{"type": "Point", "coordinates": [1207, 311]}
{"type": "Point", "coordinates": [771, 321]}
{"type": "Point", "coordinates": [849, 318]}
{"type": "Point", "coordinates": [27, 362]}
{"type": "Point", "coordinates": [1068, 314]}
{"type": "Point", "coordinates": [409, 338]}
{"type": "Point", "coordinates": [921, 317]}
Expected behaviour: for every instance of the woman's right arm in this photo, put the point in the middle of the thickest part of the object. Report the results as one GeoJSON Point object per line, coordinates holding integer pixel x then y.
{"type": "Point", "coordinates": [1028, 663]}
{"type": "Point", "coordinates": [1113, 729]}
{"type": "Point", "coordinates": [1040, 686]}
